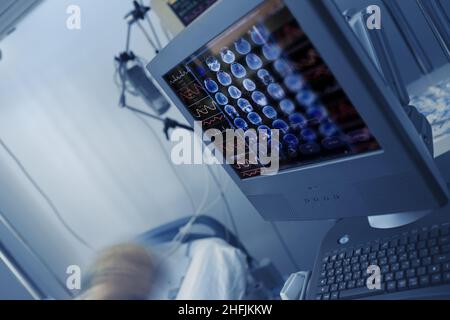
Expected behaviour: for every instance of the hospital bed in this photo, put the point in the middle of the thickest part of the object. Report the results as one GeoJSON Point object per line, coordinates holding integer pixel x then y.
{"type": "Point", "coordinates": [211, 229]}
{"type": "Point", "coordinates": [181, 275]}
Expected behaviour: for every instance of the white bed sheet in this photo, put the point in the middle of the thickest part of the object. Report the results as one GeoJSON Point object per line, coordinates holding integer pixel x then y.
{"type": "Point", "coordinates": [207, 269]}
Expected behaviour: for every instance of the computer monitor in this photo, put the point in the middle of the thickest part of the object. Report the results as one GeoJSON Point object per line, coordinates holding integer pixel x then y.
{"type": "Point", "coordinates": [347, 146]}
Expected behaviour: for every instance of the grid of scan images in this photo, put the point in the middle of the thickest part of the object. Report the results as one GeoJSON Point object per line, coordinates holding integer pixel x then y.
{"type": "Point", "coordinates": [264, 73]}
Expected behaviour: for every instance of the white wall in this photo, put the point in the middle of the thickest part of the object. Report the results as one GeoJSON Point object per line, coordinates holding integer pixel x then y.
{"type": "Point", "coordinates": [59, 115]}
{"type": "Point", "coordinates": [102, 167]}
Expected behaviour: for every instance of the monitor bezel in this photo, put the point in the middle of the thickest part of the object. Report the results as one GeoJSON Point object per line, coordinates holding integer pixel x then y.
{"type": "Point", "coordinates": [402, 147]}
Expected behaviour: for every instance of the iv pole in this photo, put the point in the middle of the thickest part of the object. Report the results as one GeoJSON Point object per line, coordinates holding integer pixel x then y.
{"type": "Point", "coordinates": [140, 12]}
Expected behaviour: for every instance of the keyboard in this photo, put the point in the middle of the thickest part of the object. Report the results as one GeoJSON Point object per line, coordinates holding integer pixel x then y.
{"type": "Point", "coordinates": [419, 258]}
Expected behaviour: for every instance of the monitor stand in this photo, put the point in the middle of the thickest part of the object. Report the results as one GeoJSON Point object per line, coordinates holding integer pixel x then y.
{"type": "Point", "coordinates": [388, 221]}
{"type": "Point", "coordinates": [396, 220]}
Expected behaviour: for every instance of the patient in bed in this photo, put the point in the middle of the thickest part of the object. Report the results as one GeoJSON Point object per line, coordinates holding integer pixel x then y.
{"type": "Point", "coordinates": [207, 269]}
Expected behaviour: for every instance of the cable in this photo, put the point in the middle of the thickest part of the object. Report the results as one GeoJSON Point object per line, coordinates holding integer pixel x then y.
{"type": "Point", "coordinates": [167, 35]}
{"type": "Point", "coordinates": [152, 27]}
{"type": "Point", "coordinates": [216, 200]}
{"type": "Point", "coordinates": [147, 36]}
{"type": "Point", "coordinates": [180, 180]}
{"type": "Point", "coordinates": [284, 245]}
{"type": "Point", "coordinates": [211, 173]}
{"type": "Point", "coordinates": [155, 35]}
{"type": "Point", "coordinates": [179, 237]}
{"type": "Point", "coordinates": [128, 41]}
{"type": "Point", "coordinates": [222, 196]}
{"type": "Point", "coordinates": [44, 196]}
{"type": "Point", "coordinates": [177, 240]}
{"type": "Point", "coordinates": [136, 112]}
{"type": "Point", "coordinates": [225, 201]}
{"type": "Point", "coordinates": [185, 230]}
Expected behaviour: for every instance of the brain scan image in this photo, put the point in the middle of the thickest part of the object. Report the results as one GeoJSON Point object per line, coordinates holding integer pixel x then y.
{"type": "Point", "coordinates": [263, 73]}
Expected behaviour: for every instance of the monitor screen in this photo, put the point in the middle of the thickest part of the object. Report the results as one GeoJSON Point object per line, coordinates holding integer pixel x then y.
{"type": "Point", "coordinates": [189, 10]}
{"type": "Point", "coordinates": [263, 72]}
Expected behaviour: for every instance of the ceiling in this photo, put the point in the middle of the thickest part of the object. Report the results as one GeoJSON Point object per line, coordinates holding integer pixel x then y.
{"type": "Point", "coordinates": [12, 11]}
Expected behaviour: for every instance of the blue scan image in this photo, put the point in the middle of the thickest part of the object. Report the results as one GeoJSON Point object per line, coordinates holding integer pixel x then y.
{"type": "Point", "coordinates": [331, 143]}
{"type": "Point", "coordinates": [278, 149]}
{"type": "Point", "coordinates": [308, 134]}
{"type": "Point", "coordinates": [294, 82]}
{"type": "Point", "coordinates": [298, 121]}
{"type": "Point", "coordinates": [254, 118]}
{"type": "Point", "coordinates": [306, 98]}
{"type": "Point", "coordinates": [283, 67]}
{"type": "Point", "coordinates": [249, 85]}
{"type": "Point", "coordinates": [263, 129]}
{"type": "Point", "coordinates": [309, 148]}
{"type": "Point", "coordinates": [211, 85]}
{"type": "Point", "coordinates": [317, 113]}
{"type": "Point", "coordinates": [281, 125]}
{"type": "Point", "coordinates": [253, 61]}
{"type": "Point", "coordinates": [265, 76]}
{"type": "Point", "coordinates": [271, 51]}
{"type": "Point", "coordinates": [231, 111]}
{"type": "Point", "coordinates": [200, 70]}
{"type": "Point", "coordinates": [276, 91]}
{"type": "Point", "coordinates": [224, 78]}
{"type": "Point", "coordinates": [270, 112]}
{"type": "Point", "coordinates": [259, 35]}
{"type": "Point", "coordinates": [251, 138]}
{"type": "Point", "coordinates": [259, 98]}
{"type": "Point", "coordinates": [291, 141]}
{"type": "Point", "coordinates": [227, 55]}
{"type": "Point", "coordinates": [213, 64]}
{"type": "Point", "coordinates": [327, 129]}
{"type": "Point", "coordinates": [242, 46]}
{"type": "Point", "coordinates": [287, 106]}
{"type": "Point", "coordinates": [238, 70]}
{"type": "Point", "coordinates": [234, 92]}
{"type": "Point", "coordinates": [245, 105]}
{"type": "Point", "coordinates": [221, 98]}
{"type": "Point", "coordinates": [240, 123]}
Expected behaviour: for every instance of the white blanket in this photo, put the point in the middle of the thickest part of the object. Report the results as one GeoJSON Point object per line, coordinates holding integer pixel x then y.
{"type": "Point", "coordinates": [208, 269]}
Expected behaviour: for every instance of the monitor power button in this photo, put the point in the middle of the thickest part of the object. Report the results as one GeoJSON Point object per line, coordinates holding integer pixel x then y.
{"type": "Point", "coordinates": [344, 239]}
